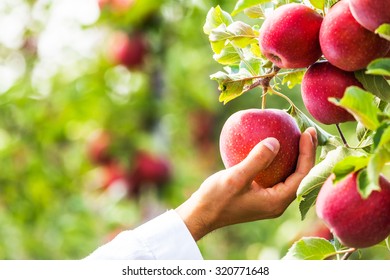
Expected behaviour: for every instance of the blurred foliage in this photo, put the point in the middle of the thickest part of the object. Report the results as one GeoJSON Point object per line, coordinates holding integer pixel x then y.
{"type": "Point", "coordinates": [58, 88]}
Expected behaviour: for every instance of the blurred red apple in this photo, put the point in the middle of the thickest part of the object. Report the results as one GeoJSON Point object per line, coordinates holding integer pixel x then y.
{"type": "Point", "coordinates": [113, 172]}
{"type": "Point", "coordinates": [319, 230]}
{"type": "Point", "coordinates": [370, 13]}
{"type": "Point", "coordinates": [357, 222]}
{"type": "Point", "coordinates": [120, 6]}
{"type": "Point", "coordinates": [128, 50]}
{"type": "Point", "coordinates": [315, 229]}
{"type": "Point", "coordinates": [345, 43]}
{"type": "Point", "coordinates": [245, 129]}
{"type": "Point", "coordinates": [148, 170]}
{"type": "Point", "coordinates": [98, 149]}
{"type": "Point", "coordinates": [202, 124]}
{"type": "Point", "coordinates": [321, 81]}
{"type": "Point", "coordinates": [289, 36]}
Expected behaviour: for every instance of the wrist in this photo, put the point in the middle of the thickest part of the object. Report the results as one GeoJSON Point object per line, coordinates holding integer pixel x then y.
{"type": "Point", "coordinates": [196, 216]}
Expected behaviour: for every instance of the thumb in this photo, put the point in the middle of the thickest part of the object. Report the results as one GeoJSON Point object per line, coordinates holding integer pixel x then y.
{"type": "Point", "coordinates": [259, 158]}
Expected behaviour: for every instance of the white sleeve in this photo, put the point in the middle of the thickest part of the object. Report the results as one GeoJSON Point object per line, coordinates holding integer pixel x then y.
{"type": "Point", "coordinates": [165, 237]}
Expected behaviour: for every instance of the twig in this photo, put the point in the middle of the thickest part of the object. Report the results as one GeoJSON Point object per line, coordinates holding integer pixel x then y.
{"type": "Point", "coordinates": [342, 136]}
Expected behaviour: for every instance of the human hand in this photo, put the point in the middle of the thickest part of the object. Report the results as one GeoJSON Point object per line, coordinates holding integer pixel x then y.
{"type": "Point", "coordinates": [231, 196]}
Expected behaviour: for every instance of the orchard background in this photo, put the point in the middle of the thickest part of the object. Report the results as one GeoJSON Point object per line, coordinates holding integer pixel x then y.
{"type": "Point", "coordinates": [90, 146]}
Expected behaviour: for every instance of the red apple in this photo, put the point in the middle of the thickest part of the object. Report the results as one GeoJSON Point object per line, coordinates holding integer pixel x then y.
{"type": "Point", "coordinates": [289, 36]}
{"type": "Point", "coordinates": [357, 222]}
{"type": "Point", "coordinates": [321, 81]}
{"type": "Point", "coordinates": [244, 129]}
{"type": "Point", "coordinates": [370, 13]}
{"type": "Point", "coordinates": [345, 43]}
{"type": "Point", "coordinates": [128, 50]}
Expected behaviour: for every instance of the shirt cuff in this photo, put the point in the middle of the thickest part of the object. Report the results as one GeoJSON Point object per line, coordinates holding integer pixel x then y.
{"type": "Point", "coordinates": [173, 240]}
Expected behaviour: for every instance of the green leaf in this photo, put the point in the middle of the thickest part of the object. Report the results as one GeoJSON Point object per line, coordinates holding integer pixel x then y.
{"type": "Point", "coordinates": [229, 55]}
{"type": "Point", "coordinates": [310, 248]}
{"type": "Point", "coordinates": [244, 4]}
{"type": "Point", "coordinates": [254, 12]}
{"type": "Point", "coordinates": [232, 83]}
{"type": "Point", "coordinates": [376, 165]}
{"type": "Point", "coordinates": [332, 143]}
{"type": "Point", "coordinates": [366, 184]}
{"type": "Point", "coordinates": [217, 46]}
{"type": "Point", "coordinates": [242, 34]}
{"type": "Point", "coordinates": [238, 32]}
{"type": "Point", "coordinates": [384, 31]}
{"type": "Point", "coordinates": [375, 84]}
{"type": "Point", "coordinates": [319, 4]}
{"type": "Point", "coordinates": [312, 183]}
{"type": "Point", "coordinates": [305, 122]}
{"type": "Point", "coordinates": [380, 66]}
{"type": "Point", "coordinates": [215, 17]}
{"type": "Point", "coordinates": [378, 160]}
{"type": "Point", "coordinates": [381, 136]}
{"type": "Point", "coordinates": [348, 165]}
{"type": "Point", "coordinates": [361, 104]}
{"type": "Point", "coordinates": [365, 136]}
{"type": "Point", "coordinates": [255, 49]}
{"type": "Point", "coordinates": [293, 78]}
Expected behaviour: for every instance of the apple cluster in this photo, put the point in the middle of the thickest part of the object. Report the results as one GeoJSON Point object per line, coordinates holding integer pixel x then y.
{"type": "Point", "coordinates": [296, 36]}
{"type": "Point", "coordinates": [333, 47]}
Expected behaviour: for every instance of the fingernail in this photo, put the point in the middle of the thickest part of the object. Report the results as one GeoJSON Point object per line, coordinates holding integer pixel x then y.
{"type": "Point", "coordinates": [313, 134]}
{"type": "Point", "coordinates": [272, 144]}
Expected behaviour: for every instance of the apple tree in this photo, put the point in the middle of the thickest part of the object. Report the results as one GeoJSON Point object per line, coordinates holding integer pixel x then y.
{"type": "Point", "coordinates": [343, 70]}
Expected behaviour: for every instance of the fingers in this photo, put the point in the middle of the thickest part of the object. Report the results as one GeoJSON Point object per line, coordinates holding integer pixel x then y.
{"type": "Point", "coordinates": [306, 161]}
{"type": "Point", "coordinates": [258, 159]}
{"type": "Point", "coordinates": [307, 151]}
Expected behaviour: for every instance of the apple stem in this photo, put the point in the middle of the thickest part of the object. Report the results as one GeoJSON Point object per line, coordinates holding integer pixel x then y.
{"type": "Point", "coordinates": [283, 96]}
{"type": "Point", "coordinates": [263, 100]}
{"type": "Point", "coordinates": [348, 254]}
{"type": "Point", "coordinates": [342, 136]}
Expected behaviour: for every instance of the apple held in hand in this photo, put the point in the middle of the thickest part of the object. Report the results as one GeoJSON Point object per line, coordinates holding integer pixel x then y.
{"type": "Point", "coordinates": [357, 222]}
{"type": "Point", "coordinates": [370, 13]}
{"type": "Point", "coordinates": [345, 43]}
{"type": "Point", "coordinates": [245, 129]}
{"type": "Point", "coordinates": [289, 36]}
{"type": "Point", "coordinates": [321, 81]}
